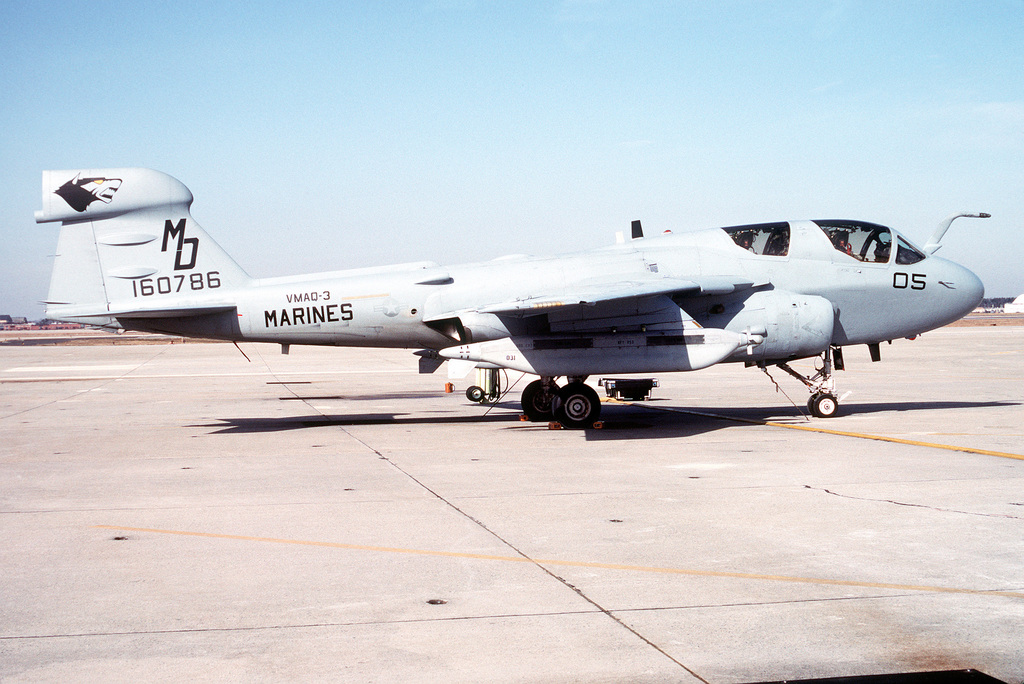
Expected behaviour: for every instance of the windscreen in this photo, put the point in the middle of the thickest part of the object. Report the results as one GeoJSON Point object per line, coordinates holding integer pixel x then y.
{"type": "Point", "coordinates": [905, 254]}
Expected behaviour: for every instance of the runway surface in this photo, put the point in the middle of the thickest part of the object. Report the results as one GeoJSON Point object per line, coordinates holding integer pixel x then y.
{"type": "Point", "coordinates": [176, 512]}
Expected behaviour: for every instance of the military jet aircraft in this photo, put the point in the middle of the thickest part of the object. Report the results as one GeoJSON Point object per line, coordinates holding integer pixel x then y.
{"type": "Point", "coordinates": [130, 255]}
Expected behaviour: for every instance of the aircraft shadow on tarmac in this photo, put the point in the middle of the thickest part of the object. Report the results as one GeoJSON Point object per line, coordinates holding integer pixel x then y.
{"type": "Point", "coordinates": [642, 422]}
{"type": "Point", "coordinates": [619, 421]}
{"type": "Point", "coordinates": [256, 425]}
{"type": "Point", "coordinates": [422, 394]}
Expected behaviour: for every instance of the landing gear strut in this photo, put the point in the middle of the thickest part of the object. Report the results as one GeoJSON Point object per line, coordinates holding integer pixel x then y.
{"type": "Point", "coordinates": [537, 399]}
{"type": "Point", "coordinates": [823, 402]}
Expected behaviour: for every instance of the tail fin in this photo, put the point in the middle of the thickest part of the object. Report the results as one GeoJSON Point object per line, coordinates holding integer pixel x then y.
{"type": "Point", "coordinates": [129, 248]}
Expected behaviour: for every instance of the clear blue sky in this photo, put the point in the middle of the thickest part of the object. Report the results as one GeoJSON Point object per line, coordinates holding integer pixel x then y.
{"type": "Point", "coordinates": [327, 135]}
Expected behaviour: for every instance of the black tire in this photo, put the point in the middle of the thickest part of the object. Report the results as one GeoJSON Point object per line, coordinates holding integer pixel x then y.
{"type": "Point", "coordinates": [537, 402]}
{"type": "Point", "coordinates": [823, 405]}
{"type": "Point", "coordinates": [578, 406]}
{"type": "Point", "coordinates": [475, 393]}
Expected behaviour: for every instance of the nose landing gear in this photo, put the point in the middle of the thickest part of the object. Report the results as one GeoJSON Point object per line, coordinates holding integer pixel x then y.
{"type": "Point", "coordinates": [823, 405]}
{"type": "Point", "coordinates": [823, 402]}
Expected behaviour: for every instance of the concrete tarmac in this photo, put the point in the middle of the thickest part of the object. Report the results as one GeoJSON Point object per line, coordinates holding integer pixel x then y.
{"type": "Point", "coordinates": [178, 513]}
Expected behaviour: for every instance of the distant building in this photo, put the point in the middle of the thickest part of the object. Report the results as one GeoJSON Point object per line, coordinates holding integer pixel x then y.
{"type": "Point", "coordinates": [1016, 306]}
{"type": "Point", "coordinates": [22, 323]}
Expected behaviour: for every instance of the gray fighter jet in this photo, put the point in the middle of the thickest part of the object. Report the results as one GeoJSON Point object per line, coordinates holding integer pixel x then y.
{"type": "Point", "coordinates": [130, 255]}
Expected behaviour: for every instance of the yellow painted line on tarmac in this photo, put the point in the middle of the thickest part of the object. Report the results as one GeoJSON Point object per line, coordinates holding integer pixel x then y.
{"type": "Point", "coordinates": [897, 440]}
{"type": "Point", "coordinates": [576, 564]}
{"type": "Point", "coordinates": [840, 433]}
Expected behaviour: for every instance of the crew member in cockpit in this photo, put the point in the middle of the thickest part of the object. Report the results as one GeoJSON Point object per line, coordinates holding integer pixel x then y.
{"type": "Point", "coordinates": [841, 240]}
{"type": "Point", "coordinates": [882, 248]}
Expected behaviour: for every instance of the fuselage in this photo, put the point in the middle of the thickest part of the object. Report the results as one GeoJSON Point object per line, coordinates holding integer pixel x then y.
{"type": "Point", "coordinates": [874, 299]}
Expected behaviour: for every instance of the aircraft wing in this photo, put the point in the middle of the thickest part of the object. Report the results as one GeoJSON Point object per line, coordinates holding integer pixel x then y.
{"type": "Point", "coordinates": [599, 293]}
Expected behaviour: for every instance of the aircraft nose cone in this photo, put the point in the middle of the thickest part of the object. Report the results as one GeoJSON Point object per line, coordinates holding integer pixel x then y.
{"type": "Point", "coordinates": [969, 288]}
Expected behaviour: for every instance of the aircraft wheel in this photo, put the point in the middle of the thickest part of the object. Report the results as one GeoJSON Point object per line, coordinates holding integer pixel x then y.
{"type": "Point", "coordinates": [537, 403]}
{"type": "Point", "coordinates": [475, 393]}
{"type": "Point", "coordinates": [579, 406]}
{"type": "Point", "coordinates": [823, 405]}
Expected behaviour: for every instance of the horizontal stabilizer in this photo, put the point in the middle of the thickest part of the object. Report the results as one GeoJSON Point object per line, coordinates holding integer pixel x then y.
{"type": "Point", "coordinates": [82, 314]}
{"type": "Point", "coordinates": [173, 313]}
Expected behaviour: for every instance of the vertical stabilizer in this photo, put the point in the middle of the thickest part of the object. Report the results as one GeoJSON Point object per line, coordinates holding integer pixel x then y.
{"type": "Point", "coordinates": [128, 246]}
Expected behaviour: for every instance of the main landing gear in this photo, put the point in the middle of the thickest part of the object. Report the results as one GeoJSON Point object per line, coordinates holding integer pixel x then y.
{"type": "Point", "coordinates": [538, 398]}
{"type": "Point", "coordinates": [576, 405]}
{"type": "Point", "coordinates": [823, 402]}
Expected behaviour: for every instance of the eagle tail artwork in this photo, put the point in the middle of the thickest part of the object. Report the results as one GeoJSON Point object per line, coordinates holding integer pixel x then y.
{"type": "Point", "coordinates": [79, 193]}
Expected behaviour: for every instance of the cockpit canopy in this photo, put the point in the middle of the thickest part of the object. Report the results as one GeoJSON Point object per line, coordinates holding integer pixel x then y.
{"type": "Point", "coordinates": [863, 241]}
{"type": "Point", "coordinates": [868, 242]}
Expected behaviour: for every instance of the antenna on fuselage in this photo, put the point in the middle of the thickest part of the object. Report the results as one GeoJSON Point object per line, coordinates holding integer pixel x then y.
{"type": "Point", "coordinates": [932, 246]}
